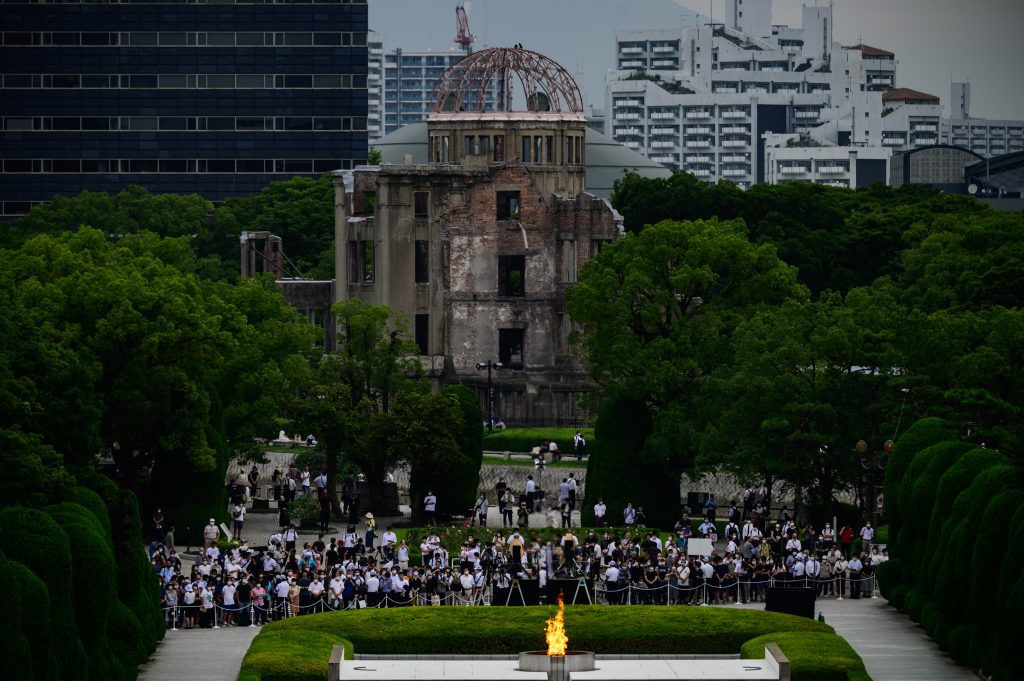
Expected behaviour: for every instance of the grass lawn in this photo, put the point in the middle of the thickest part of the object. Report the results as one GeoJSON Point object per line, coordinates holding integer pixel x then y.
{"type": "Point", "coordinates": [524, 439]}
{"type": "Point", "coordinates": [527, 462]}
{"type": "Point", "coordinates": [307, 640]}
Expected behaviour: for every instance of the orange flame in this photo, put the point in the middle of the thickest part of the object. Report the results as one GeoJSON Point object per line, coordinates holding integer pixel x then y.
{"type": "Point", "coordinates": [555, 631]}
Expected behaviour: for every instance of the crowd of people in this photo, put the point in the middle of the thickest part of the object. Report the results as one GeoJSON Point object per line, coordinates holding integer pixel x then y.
{"type": "Point", "coordinates": [252, 584]}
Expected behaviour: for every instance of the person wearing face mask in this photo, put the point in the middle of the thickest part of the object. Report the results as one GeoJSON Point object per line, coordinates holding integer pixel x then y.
{"type": "Point", "coordinates": [280, 598]}
{"type": "Point", "coordinates": [227, 594]}
{"type": "Point", "coordinates": [293, 595]}
{"type": "Point", "coordinates": [316, 592]}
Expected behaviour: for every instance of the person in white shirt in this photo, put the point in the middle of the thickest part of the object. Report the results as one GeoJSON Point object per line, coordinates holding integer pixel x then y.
{"type": "Point", "coordinates": [430, 508]}
{"type": "Point", "coordinates": [388, 539]}
{"type": "Point", "coordinates": [531, 494]}
{"type": "Point", "coordinates": [599, 511]}
{"type": "Point", "coordinates": [316, 592]}
{"type": "Point", "coordinates": [553, 448]}
{"type": "Point", "coordinates": [337, 588]}
{"type": "Point", "coordinates": [227, 594]}
{"type": "Point", "coordinates": [402, 554]}
{"type": "Point", "coordinates": [867, 535]}
{"type": "Point", "coordinates": [793, 544]}
{"type": "Point", "coordinates": [611, 583]}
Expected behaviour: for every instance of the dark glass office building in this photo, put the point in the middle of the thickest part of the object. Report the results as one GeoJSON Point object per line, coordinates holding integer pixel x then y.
{"type": "Point", "coordinates": [216, 97]}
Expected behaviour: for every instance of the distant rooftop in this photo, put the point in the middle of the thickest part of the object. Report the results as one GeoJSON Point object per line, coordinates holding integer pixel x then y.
{"type": "Point", "coordinates": [901, 94]}
{"type": "Point", "coordinates": [869, 51]}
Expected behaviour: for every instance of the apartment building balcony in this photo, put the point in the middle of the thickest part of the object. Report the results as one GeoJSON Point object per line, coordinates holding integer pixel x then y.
{"type": "Point", "coordinates": [805, 114]}
{"type": "Point", "coordinates": [735, 130]}
{"type": "Point", "coordinates": [663, 116]}
{"type": "Point", "coordinates": [925, 141]}
{"type": "Point", "coordinates": [734, 144]}
{"type": "Point", "coordinates": [665, 49]}
{"type": "Point", "coordinates": [631, 50]}
{"type": "Point", "coordinates": [632, 64]}
{"type": "Point", "coordinates": [627, 132]}
{"type": "Point", "coordinates": [834, 183]}
{"type": "Point", "coordinates": [631, 144]}
{"type": "Point", "coordinates": [700, 159]}
{"type": "Point", "coordinates": [698, 144]}
{"type": "Point", "coordinates": [960, 141]}
{"type": "Point", "coordinates": [726, 90]}
{"type": "Point", "coordinates": [699, 130]}
{"type": "Point", "coordinates": [735, 113]}
{"type": "Point", "coordinates": [832, 170]}
{"type": "Point", "coordinates": [664, 64]}
{"type": "Point", "coordinates": [794, 170]}
{"type": "Point", "coordinates": [735, 172]}
{"type": "Point", "coordinates": [665, 132]}
{"type": "Point", "coordinates": [1015, 132]}
{"type": "Point", "coordinates": [755, 89]}
{"type": "Point", "coordinates": [896, 141]}
{"type": "Point", "coordinates": [665, 160]}
{"type": "Point", "coordinates": [628, 102]}
{"type": "Point", "coordinates": [997, 131]}
{"type": "Point", "coordinates": [701, 172]}
{"type": "Point", "coordinates": [741, 158]}
{"type": "Point", "coordinates": [627, 116]}
{"type": "Point", "coordinates": [698, 115]}
{"type": "Point", "coordinates": [660, 144]}
{"type": "Point", "coordinates": [924, 127]}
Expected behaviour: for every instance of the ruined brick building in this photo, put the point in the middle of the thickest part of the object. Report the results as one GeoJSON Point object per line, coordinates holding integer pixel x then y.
{"type": "Point", "coordinates": [476, 246]}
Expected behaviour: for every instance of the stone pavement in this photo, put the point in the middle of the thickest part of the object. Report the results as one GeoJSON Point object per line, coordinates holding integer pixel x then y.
{"type": "Point", "coordinates": [892, 646]}
{"type": "Point", "coordinates": [199, 655]}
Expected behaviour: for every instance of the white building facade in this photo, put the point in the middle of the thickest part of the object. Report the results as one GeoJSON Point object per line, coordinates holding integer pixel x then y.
{"type": "Point", "coordinates": [713, 99]}
{"type": "Point", "coordinates": [402, 84]}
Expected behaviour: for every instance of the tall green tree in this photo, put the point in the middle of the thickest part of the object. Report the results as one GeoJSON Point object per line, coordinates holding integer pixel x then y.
{"type": "Point", "coordinates": [656, 310]}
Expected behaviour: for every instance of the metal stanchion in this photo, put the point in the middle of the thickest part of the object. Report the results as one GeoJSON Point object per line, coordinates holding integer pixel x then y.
{"type": "Point", "coordinates": [252, 614]}
{"type": "Point", "coordinates": [174, 617]}
{"type": "Point", "coordinates": [216, 624]}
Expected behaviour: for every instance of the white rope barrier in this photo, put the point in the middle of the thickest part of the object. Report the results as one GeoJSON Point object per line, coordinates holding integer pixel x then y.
{"type": "Point", "coordinates": [742, 589]}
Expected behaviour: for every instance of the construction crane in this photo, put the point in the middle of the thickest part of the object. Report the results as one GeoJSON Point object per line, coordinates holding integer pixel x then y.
{"type": "Point", "coordinates": [464, 38]}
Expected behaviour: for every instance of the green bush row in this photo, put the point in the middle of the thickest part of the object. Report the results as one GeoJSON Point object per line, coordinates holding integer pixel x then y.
{"type": "Point", "coordinates": [948, 503]}
{"type": "Point", "coordinates": [298, 649]}
{"type": "Point", "coordinates": [80, 589]}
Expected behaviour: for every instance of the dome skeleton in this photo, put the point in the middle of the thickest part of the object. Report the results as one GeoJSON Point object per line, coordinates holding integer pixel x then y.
{"type": "Point", "coordinates": [546, 85]}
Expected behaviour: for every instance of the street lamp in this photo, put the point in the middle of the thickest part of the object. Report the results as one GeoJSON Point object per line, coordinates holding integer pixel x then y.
{"type": "Point", "coordinates": [489, 365]}
{"type": "Point", "coordinates": [873, 461]}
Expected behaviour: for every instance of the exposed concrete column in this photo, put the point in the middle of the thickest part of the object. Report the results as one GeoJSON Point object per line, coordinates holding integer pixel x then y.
{"type": "Point", "coordinates": [342, 194]}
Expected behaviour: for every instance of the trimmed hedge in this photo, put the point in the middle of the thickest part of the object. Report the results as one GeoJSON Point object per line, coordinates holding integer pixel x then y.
{"type": "Point", "coordinates": [618, 473]}
{"type": "Point", "coordinates": [921, 435]}
{"type": "Point", "coordinates": [32, 538]}
{"type": "Point", "coordinates": [298, 649]}
{"type": "Point", "coordinates": [35, 621]}
{"type": "Point", "coordinates": [14, 646]}
{"type": "Point", "coordinates": [953, 502]}
{"type": "Point", "coordinates": [813, 656]}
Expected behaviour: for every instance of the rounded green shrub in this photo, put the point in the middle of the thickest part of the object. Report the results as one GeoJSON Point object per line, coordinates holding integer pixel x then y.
{"type": "Point", "coordinates": [93, 572]}
{"type": "Point", "coordinates": [930, 617]}
{"type": "Point", "coordinates": [955, 480]}
{"type": "Point", "coordinates": [915, 604]}
{"type": "Point", "coordinates": [898, 597]}
{"type": "Point", "coordinates": [125, 636]}
{"type": "Point", "coordinates": [917, 497]}
{"type": "Point", "coordinates": [35, 621]}
{"type": "Point", "coordinates": [996, 522]}
{"type": "Point", "coordinates": [889, 573]}
{"type": "Point", "coordinates": [921, 435]}
{"type": "Point", "coordinates": [460, 487]}
{"type": "Point", "coordinates": [31, 537]}
{"type": "Point", "coordinates": [83, 496]}
{"type": "Point", "coordinates": [959, 642]}
{"type": "Point", "coordinates": [1007, 663]}
{"type": "Point", "coordinates": [14, 645]}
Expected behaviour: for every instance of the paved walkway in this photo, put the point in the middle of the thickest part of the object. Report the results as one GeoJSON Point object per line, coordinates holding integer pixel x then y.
{"type": "Point", "coordinates": [892, 646]}
{"type": "Point", "coordinates": [199, 655]}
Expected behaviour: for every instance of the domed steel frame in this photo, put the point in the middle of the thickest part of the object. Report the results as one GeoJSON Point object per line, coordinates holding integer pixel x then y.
{"type": "Point", "coordinates": [546, 85]}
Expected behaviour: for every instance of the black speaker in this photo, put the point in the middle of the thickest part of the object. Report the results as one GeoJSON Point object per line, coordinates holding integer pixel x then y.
{"type": "Point", "coordinates": [572, 592]}
{"type": "Point", "coordinates": [523, 592]}
{"type": "Point", "coordinates": [796, 601]}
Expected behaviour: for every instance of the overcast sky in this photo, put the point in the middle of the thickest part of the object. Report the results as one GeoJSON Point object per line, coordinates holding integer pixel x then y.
{"type": "Point", "coordinates": [935, 41]}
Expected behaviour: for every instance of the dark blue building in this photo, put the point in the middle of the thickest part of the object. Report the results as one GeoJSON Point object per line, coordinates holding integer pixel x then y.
{"type": "Point", "coordinates": [216, 97]}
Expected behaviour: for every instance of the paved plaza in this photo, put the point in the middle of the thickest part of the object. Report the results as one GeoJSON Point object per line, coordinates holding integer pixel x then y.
{"type": "Point", "coordinates": [893, 648]}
